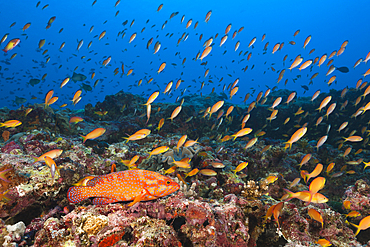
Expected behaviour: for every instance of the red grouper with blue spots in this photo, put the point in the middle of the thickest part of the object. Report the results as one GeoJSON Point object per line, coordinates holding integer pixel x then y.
{"type": "Point", "coordinates": [130, 185]}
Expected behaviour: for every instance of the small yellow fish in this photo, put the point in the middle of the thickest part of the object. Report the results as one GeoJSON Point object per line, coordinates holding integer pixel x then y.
{"type": "Point", "coordinates": [226, 138]}
{"type": "Point", "coordinates": [190, 143]}
{"type": "Point", "coordinates": [240, 167]}
{"type": "Point", "coordinates": [138, 135]}
{"type": "Point", "coordinates": [242, 132]}
{"type": "Point", "coordinates": [93, 134]}
{"type": "Point", "coordinates": [181, 163]}
{"type": "Point", "coordinates": [75, 120]}
{"type": "Point", "coordinates": [181, 142]}
{"type": "Point", "coordinates": [170, 170]}
{"type": "Point", "coordinates": [208, 172]}
{"type": "Point", "coordinates": [83, 181]}
{"type": "Point", "coordinates": [175, 112]}
{"type": "Point", "coordinates": [347, 205]}
{"type": "Point", "coordinates": [353, 139]}
{"type": "Point", "coordinates": [192, 173]}
{"type": "Point", "coordinates": [323, 242]}
{"type": "Point", "coordinates": [294, 182]}
{"type": "Point", "coordinates": [158, 150]}
{"type": "Point", "coordinates": [296, 136]}
{"type": "Point", "coordinates": [251, 142]}
{"type": "Point", "coordinates": [315, 215]}
{"type": "Point", "coordinates": [52, 154]}
{"type": "Point", "coordinates": [353, 214]}
{"type": "Point", "coordinates": [28, 111]}
{"type": "Point", "coordinates": [101, 113]}
{"type": "Point", "coordinates": [53, 167]}
{"type": "Point", "coordinates": [11, 124]}
{"type": "Point", "coordinates": [271, 179]}
{"type": "Point", "coordinates": [160, 124]}
{"type": "Point", "coordinates": [152, 98]}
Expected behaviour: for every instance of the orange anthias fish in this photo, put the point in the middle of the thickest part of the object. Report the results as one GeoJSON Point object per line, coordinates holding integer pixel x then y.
{"type": "Point", "coordinates": [55, 153]}
{"type": "Point", "coordinates": [93, 134]}
{"type": "Point", "coordinates": [130, 185]}
{"type": "Point", "coordinates": [295, 137]}
{"type": "Point", "coordinates": [11, 124]}
{"type": "Point", "coordinates": [75, 120]}
{"type": "Point", "coordinates": [11, 44]}
{"type": "Point", "coordinates": [363, 225]}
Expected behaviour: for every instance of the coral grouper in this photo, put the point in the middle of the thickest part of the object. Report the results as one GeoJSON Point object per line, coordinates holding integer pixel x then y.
{"type": "Point", "coordinates": [130, 185]}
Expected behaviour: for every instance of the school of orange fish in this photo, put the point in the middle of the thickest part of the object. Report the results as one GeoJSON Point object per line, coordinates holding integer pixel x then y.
{"type": "Point", "coordinates": [312, 195]}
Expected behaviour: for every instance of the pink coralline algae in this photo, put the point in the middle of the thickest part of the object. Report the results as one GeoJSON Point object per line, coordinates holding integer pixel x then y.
{"type": "Point", "coordinates": [297, 226]}
{"type": "Point", "coordinates": [174, 221]}
{"type": "Point", "coordinates": [359, 197]}
{"type": "Point", "coordinates": [10, 147]}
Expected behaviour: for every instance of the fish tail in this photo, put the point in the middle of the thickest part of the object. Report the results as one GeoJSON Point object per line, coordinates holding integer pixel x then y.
{"type": "Point", "coordinates": [77, 194]}
{"type": "Point", "coordinates": [83, 138]}
{"type": "Point", "coordinates": [289, 197]}
{"type": "Point", "coordinates": [35, 159]}
{"type": "Point", "coordinates": [358, 227]}
{"type": "Point", "coordinates": [5, 51]}
{"type": "Point", "coordinates": [1, 125]}
{"type": "Point", "coordinates": [290, 145]}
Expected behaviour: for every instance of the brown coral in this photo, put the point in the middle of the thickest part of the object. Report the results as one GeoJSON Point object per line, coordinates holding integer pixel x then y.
{"type": "Point", "coordinates": [94, 224]}
{"type": "Point", "coordinates": [6, 135]}
{"type": "Point", "coordinates": [253, 189]}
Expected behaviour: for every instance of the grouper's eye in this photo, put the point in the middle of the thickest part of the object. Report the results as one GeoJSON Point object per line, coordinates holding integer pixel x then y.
{"type": "Point", "coordinates": [168, 182]}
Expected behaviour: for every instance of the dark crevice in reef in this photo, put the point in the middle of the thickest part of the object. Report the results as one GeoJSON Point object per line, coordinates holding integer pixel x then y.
{"type": "Point", "coordinates": [176, 224]}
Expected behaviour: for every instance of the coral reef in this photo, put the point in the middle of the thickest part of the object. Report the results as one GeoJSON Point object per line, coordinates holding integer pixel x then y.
{"type": "Point", "coordinates": [225, 209]}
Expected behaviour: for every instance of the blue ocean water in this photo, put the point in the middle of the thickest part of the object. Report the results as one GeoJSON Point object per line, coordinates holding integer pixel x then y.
{"type": "Point", "coordinates": [329, 23]}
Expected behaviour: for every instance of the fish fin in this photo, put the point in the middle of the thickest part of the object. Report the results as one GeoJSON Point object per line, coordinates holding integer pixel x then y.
{"type": "Point", "coordinates": [310, 198]}
{"type": "Point", "coordinates": [103, 200]}
{"type": "Point", "coordinates": [357, 226]}
{"type": "Point", "coordinates": [290, 195]}
{"type": "Point", "coordinates": [290, 145]}
{"type": "Point", "coordinates": [5, 51]}
{"type": "Point", "coordinates": [57, 170]}
{"type": "Point", "coordinates": [139, 198]}
{"type": "Point", "coordinates": [77, 194]}
{"type": "Point", "coordinates": [2, 175]}
{"type": "Point", "coordinates": [35, 159]}
{"type": "Point", "coordinates": [83, 138]}
{"type": "Point", "coordinates": [3, 196]}
{"type": "Point", "coordinates": [93, 181]}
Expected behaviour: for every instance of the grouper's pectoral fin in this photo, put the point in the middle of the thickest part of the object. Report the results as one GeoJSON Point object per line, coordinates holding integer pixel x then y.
{"type": "Point", "coordinates": [140, 197]}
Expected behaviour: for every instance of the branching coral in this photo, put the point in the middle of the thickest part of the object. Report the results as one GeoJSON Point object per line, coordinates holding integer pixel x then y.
{"type": "Point", "coordinates": [186, 190]}
{"type": "Point", "coordinates": [253, 190]}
